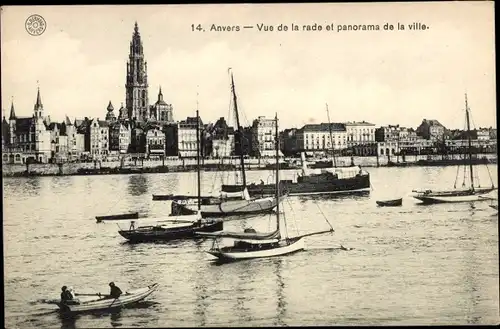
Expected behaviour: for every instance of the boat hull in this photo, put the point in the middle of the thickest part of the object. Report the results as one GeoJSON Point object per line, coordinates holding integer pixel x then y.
{"type": "Point", "coordinates": [133, 215]}
{"type": "Point", "coordinates": [390, 203]}
{"type": "Point", "coordinates": [352, 185]}
{"type": "Point", "coordinates": [226, 208]}
{"type": "Point", "coordinates": [297, 244]}
{"type": "Point", "coordinates": [167, 234]}
{"type": "Point", "coordinates": [106, 304]}
{"type": "Point", "coordinates": [453, 197]}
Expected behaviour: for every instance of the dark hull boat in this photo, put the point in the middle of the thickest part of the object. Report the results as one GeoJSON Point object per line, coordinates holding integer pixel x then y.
{"type": "Point", "coordinates": [168, 233]}
{"type": "Point", "coordinates": [390, 203]}
{"type": "Point", "coordinates": [452, 196]}
{"type": "Point", "coordinates": [132, 215]}
{"type": "Point", "coordinates": [326, 182]}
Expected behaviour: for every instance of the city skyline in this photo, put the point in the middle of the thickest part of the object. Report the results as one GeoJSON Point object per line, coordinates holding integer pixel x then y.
{"type": "Point", "coordinates": [397, 77]}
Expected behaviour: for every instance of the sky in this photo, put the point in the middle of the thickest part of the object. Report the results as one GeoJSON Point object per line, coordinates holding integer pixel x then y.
{"type": "Point", "coordinates": [383, 77]}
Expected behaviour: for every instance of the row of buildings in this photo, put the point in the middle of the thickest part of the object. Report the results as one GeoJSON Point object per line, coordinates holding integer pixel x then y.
{"type": "Point", "coordinates": [149, 130]}
{"type": "Point", "coordinates": [37, 139]}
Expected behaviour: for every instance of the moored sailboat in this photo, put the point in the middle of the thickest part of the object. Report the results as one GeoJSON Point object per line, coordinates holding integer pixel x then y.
{"type": "Point", "coordinates": [464, 194]}
{"type": "Point", "coordinates": [227, 205]}
{"type": "Point", "coordinates": [250, 244]}
{"type": "Point", "coordinates": [160, 231]}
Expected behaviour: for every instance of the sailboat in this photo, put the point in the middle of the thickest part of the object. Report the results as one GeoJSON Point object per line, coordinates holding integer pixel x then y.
{"type": "Point", "coordinates": [472, 193]}
{"type": "Point", "coordinates": [174, 227]}
{"type": "Point", "coordinates": [328, 180]}
{"type": "Point", "coordinates": [251, 244]}
{"type": "Point", "coordinates": [228, 204]}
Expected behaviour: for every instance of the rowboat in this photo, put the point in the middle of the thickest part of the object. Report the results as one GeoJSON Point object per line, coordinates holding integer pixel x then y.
{"type": "Point", "coordinates": [132, 215]}
{"type": "Point", "coordinates": [104, 302]}
{"type": "Point", "coordinates": [494, 206]}
{"type": "Point", "coordinates": [390, 203]}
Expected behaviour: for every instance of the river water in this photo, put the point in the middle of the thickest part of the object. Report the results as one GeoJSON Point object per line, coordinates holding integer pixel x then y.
{"type": "Point", "coordinates": [409, 265]}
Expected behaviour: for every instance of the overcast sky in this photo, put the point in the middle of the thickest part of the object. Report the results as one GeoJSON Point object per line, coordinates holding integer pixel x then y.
{"type": "Point", "coordinates": [384, 77]}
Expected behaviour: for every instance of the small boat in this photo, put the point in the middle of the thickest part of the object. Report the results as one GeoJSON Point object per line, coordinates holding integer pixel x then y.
{"type": "Point", "coordinates": [494, 206]}
{"type": "Point", "coordinates": [250, 244]}
{"type": "Point", "coordinates": [98, 302]}
{"type": "Point", "coordinates": [132, 215]}
{"type": "Point", "coordinates": [167, 232]}
{"type": "Point", "coordinates": [471, 193]}
{"type": "Point", "coordinates": [390, 203]}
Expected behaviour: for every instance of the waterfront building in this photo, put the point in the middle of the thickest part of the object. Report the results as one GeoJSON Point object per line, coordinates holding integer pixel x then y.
{"type": "Point", "coordinates": [289, 144]}
{"type": "Point", "coordinates": [322, 137]}
{"type": "Point", "coordinates": [96, 140]}
{"type": "Point", "coordinates": [431, 129]}
{"type": "Point", "coordinates": [27, 137]}
{"type": "Point", "coordinates": [120, 135]}
{"type": "Point", "coordinates": [264, 136]}
{"type": "Point", "coordinates": [155, 141]}
{"type": "Point", "coordinates": [187, 137]}
{"type": "Point", "coordinates": [221, 139]}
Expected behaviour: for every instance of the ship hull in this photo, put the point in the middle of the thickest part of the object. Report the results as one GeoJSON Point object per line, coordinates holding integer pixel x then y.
{"type": "Point", "coordinates": [357, 184]}
{"type": "Point", "coordinates": [230, 254]}
{"type": "Point", "coordinates": [453, 197]}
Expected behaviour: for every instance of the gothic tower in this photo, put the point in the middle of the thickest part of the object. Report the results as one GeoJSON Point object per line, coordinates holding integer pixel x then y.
{"type": "Point", "coordinates": [136, 98]}
{"type": "Point", "coordinates": [38, 108]}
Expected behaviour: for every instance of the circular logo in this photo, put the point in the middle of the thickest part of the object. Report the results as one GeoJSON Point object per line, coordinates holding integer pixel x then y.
{"type": "Point", "coordinates": [35, 25]}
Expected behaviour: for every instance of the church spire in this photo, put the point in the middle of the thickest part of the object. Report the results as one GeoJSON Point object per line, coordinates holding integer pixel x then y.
{"type": "Point", "coordinates": [160, 95]}
{"type": "Point", "coordinates": [38, 106]}
{"type": "Point", "coordinates": [38, 99]}
{"type": "Point", "coordinates": [12, 111]}
{"type": "Point", "coordinates": [136, 28]}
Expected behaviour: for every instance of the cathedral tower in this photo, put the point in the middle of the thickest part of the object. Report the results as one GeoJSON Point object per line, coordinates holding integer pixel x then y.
{"type": "Point", "coordinates": [136, 98]}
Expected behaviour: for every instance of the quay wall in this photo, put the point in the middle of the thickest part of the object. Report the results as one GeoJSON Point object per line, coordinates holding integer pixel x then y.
{"type": "Point", "coordinates": [179, 165]}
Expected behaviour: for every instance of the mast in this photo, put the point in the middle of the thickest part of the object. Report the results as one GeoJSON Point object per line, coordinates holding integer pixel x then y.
{"type": "Point", "coordinates": [198, 154]}
{"type": "Point", "coordinates": [470, 143]}
{"type": "Point", "coordinates": [240, 133]}
{"type": "Point", "coordinates": [331, 136]}
{"type": "Point", "coordinates": [277, 147]}
{"type": "Point", "coordinates": [397, 145]}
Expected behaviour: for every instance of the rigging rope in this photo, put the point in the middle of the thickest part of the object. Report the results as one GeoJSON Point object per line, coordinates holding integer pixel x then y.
{"type": "Point", "coordinates": [456, 177]}
{"type": "Point", "coordinates": [489, 174]}
{"type": "Point", "coordinates": [322, 213]}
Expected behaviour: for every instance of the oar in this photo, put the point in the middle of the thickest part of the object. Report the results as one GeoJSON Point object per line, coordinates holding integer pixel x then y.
{"type": "Point", "coordinates": [94, 294]}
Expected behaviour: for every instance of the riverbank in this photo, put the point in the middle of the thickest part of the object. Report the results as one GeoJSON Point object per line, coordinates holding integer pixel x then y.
{"type": "Point", "coordinates": [186, 165]}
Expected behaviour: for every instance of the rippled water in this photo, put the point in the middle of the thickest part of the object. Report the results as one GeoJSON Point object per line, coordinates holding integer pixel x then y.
{"type": "Point", "coordinates": [410, 265]}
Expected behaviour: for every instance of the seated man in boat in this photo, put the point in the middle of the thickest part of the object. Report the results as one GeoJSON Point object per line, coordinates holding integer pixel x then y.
{"type": "Point", "coordinates": [115, 292]}
{"type": "Point", "coordinates": [67, 296]}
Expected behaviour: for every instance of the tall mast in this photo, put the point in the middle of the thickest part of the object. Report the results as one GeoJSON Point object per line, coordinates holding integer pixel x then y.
{"type": "Point", "coordinates": [240, 133]}
{"type": "Point", "coordinates": [331, 136]}
{"type": "Point", "coordinates": [277, 147]}
{"type": "Point", "coordinates": [470, 143]}
{"type": "Point", "coordinates": [397, 145]}
{"type": "Point", "coordinates": [198, 154]}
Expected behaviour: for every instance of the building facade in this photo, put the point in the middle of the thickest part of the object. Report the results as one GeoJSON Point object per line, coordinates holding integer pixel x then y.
{"type": "Point", "coordinates": [264, 136]}
{"type": "Point", "coordinates": [187, 142]}
{"type": "Point", "coordinates": [431, 130]}
{"type": "Point", "coordinates": [321, 138]}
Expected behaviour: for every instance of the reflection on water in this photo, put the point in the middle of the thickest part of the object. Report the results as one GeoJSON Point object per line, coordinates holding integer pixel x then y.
{"type": "Point", "coordinates": [137, 185]}
{"type": "Point", "coordinates": [408, 265]}
{"type": "Point", "coordinates": [280, 297]}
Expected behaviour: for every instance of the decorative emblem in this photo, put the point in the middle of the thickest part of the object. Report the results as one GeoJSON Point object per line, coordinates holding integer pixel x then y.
{"type": "Point", "coordinates": [35, 25]}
